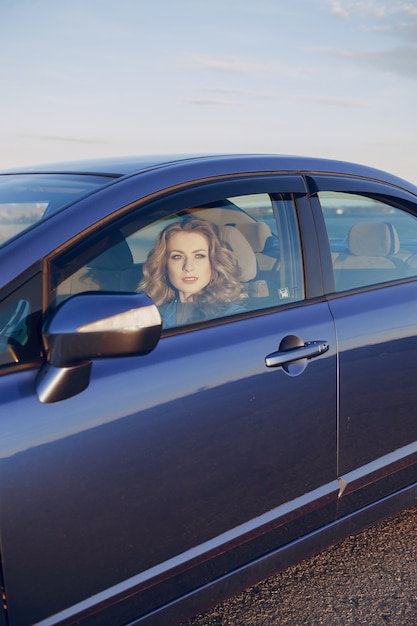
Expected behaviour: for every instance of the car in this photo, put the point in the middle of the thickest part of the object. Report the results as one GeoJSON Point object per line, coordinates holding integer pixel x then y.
{"type": "Point", "coordinates": [152, 465]}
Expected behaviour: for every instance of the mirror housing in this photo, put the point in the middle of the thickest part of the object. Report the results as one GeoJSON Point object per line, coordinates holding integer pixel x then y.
{"type": "Point", "coordinates": [91, 326]}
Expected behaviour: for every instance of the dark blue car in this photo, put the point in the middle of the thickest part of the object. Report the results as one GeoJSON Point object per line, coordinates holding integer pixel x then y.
{"type": "Point", "coordinates": [179, 418]}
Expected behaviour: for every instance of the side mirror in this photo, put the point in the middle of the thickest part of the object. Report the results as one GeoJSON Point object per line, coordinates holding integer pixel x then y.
{"type": "Point", "coordinates": [91, 326]}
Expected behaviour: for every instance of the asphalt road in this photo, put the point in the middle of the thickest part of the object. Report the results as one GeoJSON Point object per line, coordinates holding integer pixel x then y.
{"type": "Point", "coordinates": [369, 579]}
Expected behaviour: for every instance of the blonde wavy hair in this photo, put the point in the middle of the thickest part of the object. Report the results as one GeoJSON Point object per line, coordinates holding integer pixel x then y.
{"type": "Point", "coordinates": [224, 285]}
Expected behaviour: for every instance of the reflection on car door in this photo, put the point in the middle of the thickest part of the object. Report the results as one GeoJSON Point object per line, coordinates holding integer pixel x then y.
{"type": "Point", "coordinates": [163, 461]}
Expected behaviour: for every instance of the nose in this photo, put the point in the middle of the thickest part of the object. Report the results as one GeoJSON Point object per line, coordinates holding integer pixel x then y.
{"type": "Point", "coordinates": [188, 264]}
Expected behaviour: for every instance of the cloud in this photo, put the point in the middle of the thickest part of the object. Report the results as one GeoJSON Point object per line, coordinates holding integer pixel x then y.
{"type": "Point", "coordinates": [336, 8]}
{"type": "Point", "coordinates": [340, 102]}
{"type": "Point", "coordinates": [217, 102]}
{"type": "Point", "coordinates": [61, 138]}
{"type": "Point", "coordinates": [235, 91]}
{"type": "Point", "coordinates": [233, 65]}
{"type": "Point", "coordinates": [410, 9]}
{"type": "Point", "coordinates": [365, 8]}
{"type": "Point", "coordinates": [396, 18]}
{"type": "Point", "coordinates": [336, 52]}
{"type": "Point", "coordinates": [228, 96]}
{"type": "Point", "coordinates": [401, 60]}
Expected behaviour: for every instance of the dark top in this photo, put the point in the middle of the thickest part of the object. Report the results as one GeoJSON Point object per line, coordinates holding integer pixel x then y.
{"type": "Point", "coordinates": [176, 313]}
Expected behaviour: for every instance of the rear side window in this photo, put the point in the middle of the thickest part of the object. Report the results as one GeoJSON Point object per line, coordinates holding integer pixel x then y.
{"type": "Point", "coordinates": [371, 241]}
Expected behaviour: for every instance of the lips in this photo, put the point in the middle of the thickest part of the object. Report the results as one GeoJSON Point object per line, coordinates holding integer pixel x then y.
{"type": "Point", "coordinates": [189, 279]}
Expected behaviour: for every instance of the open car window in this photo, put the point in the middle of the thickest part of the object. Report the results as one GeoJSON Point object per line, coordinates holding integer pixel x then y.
{"type": "Point", "coordinates": [255, 263]}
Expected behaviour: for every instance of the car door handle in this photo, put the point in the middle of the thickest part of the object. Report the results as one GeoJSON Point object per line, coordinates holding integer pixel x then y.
{"type": "Point", "coordinates": [309, 350]}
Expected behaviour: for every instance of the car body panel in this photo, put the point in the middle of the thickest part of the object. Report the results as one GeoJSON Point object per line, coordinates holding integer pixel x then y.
{"type": "Point", "coordinates": [176, 478]}
{"type": "Point", "coordinates": [378, 394]}
{"type": "Point", "coordinates": [165, 456]}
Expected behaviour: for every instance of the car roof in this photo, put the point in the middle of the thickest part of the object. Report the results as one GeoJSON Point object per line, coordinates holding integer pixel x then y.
{"type": "Point", "coordinates": [111, 166]}
{"type": "Point", "coordinates": [128, 165]}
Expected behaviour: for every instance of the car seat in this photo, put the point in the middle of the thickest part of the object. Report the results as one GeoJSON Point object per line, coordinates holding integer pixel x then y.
{"type": "Point", "coordinates": [109, 270]}
{"type": "Point", "coordinates": [371, 257]}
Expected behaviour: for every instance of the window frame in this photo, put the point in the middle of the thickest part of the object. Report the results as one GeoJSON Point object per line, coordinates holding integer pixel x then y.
{"type": "Point", "coordinates": [149, 211]}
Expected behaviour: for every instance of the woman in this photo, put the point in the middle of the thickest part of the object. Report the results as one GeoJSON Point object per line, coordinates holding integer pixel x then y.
{"type": "Point", "coordinates": [192, 275]}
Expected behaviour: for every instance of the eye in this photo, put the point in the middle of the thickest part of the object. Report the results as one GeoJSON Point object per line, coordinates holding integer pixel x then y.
{"type": "Point", "coordinates": [200, 255]}
{"type": "Point", "coordinates": [176, 257]}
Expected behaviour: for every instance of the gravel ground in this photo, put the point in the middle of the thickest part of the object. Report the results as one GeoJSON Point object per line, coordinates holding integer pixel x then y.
{"type": "Point", "coordinates": [370, 579]}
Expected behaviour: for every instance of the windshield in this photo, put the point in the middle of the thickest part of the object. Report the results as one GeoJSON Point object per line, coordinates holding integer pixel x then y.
{"type": "Point", "coordinates": [27, 198]}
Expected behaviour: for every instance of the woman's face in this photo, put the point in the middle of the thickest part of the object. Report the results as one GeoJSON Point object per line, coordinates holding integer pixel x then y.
{"type": "Point", "coordinates": [189, 268]}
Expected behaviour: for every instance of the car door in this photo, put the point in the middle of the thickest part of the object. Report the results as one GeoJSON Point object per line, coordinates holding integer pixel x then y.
{"type": "Point", "coordinates": [173, 468]}
{"type": "Point", "coordinates": [372, 229]}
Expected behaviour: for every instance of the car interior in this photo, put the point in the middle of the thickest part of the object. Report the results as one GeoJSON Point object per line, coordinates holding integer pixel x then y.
{"type": "Point", "coordinates": [372, 255]}
{"type": "Point", "coordinates": [114, 268]}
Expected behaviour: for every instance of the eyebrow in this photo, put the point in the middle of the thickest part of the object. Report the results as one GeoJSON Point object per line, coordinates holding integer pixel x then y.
{"type": "Point", "coordinates": [192, 251]}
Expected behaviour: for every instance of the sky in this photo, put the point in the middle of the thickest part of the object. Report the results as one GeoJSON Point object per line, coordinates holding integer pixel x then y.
{"type": "Point", "coordinates": [100, 78]}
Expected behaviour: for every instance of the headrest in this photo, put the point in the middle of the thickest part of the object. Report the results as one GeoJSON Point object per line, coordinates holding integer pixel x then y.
{"type": "Point", "coordinates": [117, 254]}
{"type": "Point", "coordinates": [256, 233]}
{"type": "Point", "coordinates": [373, 239]}
{"type": "Point", "coordinates": [242, 249]}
